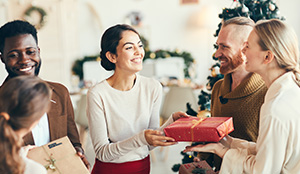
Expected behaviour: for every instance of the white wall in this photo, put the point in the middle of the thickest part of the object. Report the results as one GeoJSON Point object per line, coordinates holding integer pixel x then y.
{"type": "Point", "coordinates": [166, 24]}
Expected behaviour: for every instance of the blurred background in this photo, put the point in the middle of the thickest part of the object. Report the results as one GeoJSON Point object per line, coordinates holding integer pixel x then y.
{"type": "Point", "coordinates": [71, 29]}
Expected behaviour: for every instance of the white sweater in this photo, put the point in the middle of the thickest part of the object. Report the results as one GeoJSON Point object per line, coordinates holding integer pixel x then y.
{"type": "Point", "coordinates": [117, 119]}
{"type": "Point", "coordinates": [277, 149]}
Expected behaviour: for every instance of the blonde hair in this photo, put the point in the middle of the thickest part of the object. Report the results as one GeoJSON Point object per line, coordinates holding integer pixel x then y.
{"type": "Point", "coordinates": [281, 39]}
{"type": "Point", "coordinates": [23, 100]}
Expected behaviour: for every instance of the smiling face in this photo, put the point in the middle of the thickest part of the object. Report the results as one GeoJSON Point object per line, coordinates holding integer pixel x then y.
{"type": "Point", "coordinates": [229, 49]}
{"type": "Point", "coordinates": [130, 53]}
{"type": "Point", "coordinates": [21, 55]}
{"type": "Point", "coordinates": [254, 54]}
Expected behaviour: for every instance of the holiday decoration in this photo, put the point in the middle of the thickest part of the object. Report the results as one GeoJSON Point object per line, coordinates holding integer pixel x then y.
{"type": "Point", "coordinates": [77, 67]}
{"type": "Point", "coordinates": [28, 16]}
{"type": "Point", "coordinates": [187, 57]}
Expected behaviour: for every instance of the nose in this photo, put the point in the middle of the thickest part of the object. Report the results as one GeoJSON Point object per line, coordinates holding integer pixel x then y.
{"type": "Point", "coordinates": [24, 58]}
{"type": "Point", "coordinates": [139, 50]}
{"type": "Point", "coordinates": [218, 53]}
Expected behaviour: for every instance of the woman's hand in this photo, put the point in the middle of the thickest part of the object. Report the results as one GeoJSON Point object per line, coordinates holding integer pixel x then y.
{"type": "Point", "coordinates": [156, 138]}
{"type": "Point", "coordinates": [216, 148]}
{"type": "Point", "coordinates": [28, 148]}
{"type": "Point", "coordinates": [177, 115]}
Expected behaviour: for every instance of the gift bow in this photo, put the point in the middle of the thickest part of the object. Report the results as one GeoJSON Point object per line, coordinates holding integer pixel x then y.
{"type": "Point", "coordinates": [51, 164]}
{"type": "Point", "coordinates": [195, 123]}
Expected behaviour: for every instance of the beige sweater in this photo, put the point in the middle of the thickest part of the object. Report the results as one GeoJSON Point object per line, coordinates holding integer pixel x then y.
{"type": "Point", "coordinates": [243, 104]}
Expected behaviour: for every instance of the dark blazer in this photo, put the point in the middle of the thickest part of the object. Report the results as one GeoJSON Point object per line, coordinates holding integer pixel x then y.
{"type": "Point", "coordinates": [60, 117]}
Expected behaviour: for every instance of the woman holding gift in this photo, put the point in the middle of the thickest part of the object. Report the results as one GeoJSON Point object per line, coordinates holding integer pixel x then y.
{"type": "Point", "coordinates": [272, 52]}
{"type": "Point", "coordinates": [23, 101]}
{"type": "Point", "coordinates": [123, 110]}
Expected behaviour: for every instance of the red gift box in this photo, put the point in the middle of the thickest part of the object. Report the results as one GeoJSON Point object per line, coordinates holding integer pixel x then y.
{"type": "Point", "coordinates": [188, 168]}
{"type": "Point", "coordinates": [194, 129]}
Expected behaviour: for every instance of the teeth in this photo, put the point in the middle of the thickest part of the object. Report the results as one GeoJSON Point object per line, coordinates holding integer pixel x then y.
{"type": "Point", "coordinates": [25, 69]}
{"type": "Point", "coordinates": [137, 60]}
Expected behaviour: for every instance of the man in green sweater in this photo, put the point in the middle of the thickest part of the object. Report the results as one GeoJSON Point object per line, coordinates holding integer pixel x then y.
{"type": "Point", "coordinates": [240, 94]}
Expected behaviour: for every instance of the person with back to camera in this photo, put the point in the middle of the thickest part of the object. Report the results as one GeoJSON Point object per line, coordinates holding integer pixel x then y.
{"type": "Point", "coordinates": [272, 52]}
{"type": "Point", "coordinates": [21, 55]}
{"type": "Point", "coordinates": [123, 110]}
{"type": "Point", "coordinates": [23, 101]}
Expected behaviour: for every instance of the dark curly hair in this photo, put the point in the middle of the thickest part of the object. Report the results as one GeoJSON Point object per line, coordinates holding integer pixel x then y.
{"type": "Point", "coordinates": [109, 42]}
{"type": "Point", "coordinates": [14, 28]}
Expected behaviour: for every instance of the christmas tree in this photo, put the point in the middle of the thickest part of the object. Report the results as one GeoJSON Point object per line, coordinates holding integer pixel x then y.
{"type": "Point", "coordinates": [254, 9]}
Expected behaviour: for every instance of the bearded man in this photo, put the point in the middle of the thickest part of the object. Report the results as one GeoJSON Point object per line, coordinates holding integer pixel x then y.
{"type": "Point", "coordinates": [240, 94]}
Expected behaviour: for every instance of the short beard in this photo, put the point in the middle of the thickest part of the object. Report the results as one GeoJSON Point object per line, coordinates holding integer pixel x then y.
{"type": "Point", "coordinates": [236, 61]}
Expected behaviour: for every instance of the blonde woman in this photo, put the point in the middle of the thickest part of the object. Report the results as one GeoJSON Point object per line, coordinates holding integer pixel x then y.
{"type": "Point", "coordinates": [272, 52]}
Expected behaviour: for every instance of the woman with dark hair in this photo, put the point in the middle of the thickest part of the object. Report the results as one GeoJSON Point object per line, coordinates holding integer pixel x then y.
{"type": "Point", "coordinates": [23, 101]}
{"type": "Point", "coordinates": [123, 110]}
{"type": "Point", "coordinates": [272, 52]}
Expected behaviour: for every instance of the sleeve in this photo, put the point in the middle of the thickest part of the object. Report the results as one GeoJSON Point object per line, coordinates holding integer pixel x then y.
{"type": "Point", "coordinates": [155, 114]}
{"type": "Point", "coordinates": [235, 143]}
{"type": "Point", "coordinates": [270, 148]}
{"type": "Point", "coordinates": [106, 151]}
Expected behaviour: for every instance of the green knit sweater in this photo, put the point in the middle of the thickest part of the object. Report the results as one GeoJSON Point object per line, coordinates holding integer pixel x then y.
{"type": "Point", "coordinates": [243, 104]}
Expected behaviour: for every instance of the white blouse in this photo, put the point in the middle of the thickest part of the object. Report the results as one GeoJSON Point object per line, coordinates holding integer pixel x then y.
{"type": "Point", "coordinates": [278, 145]}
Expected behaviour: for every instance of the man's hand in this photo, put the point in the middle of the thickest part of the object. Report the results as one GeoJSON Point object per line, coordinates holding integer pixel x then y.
{"type": "Point", "coordinates": [156, 138]}
{"type": "Point", "coordinates": [83, 157]}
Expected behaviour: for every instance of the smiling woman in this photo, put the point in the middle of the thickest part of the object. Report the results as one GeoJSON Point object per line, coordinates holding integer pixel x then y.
{"type": "Point", "coordinates": [127, 98]}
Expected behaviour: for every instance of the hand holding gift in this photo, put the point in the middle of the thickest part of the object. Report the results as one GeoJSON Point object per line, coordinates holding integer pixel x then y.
{"type": "Point", "coordinates": [80, 153]}
{"type": "Point", "coordinates": [156, 138]}
{"type": "Point", "coordinates": [194, 129]}
{"type": "Point", "coordinates": [216, 148]}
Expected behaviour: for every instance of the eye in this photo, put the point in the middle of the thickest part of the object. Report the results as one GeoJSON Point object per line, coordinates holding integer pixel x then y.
{"type": "Point", "coordinates": [128, 48]}
{"type": "Point", "coordinates": [30, 52]}
{"type": "Point", "coordinates": [13, 55]}
{"type": "Point", "coordinates": [141, 45]}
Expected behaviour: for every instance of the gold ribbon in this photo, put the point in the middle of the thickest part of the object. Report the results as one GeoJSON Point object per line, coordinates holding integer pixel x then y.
{"type": "Point", "coordinates": [201, 119]}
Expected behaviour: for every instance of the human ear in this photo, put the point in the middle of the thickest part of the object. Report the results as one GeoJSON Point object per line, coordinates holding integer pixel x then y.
{"type": "Point", "coordinates": [111, 57]}
{"type": "Point", "coordinates": [269, 56]}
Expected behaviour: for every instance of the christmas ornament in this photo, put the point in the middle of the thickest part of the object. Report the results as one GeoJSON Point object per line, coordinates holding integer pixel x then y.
{"type": "Point", "coordinates": [204, 113]}
{"type": "Point", "coordinates": [245, 9]}
{"type": "Point", "coordinates": [272, 7]}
